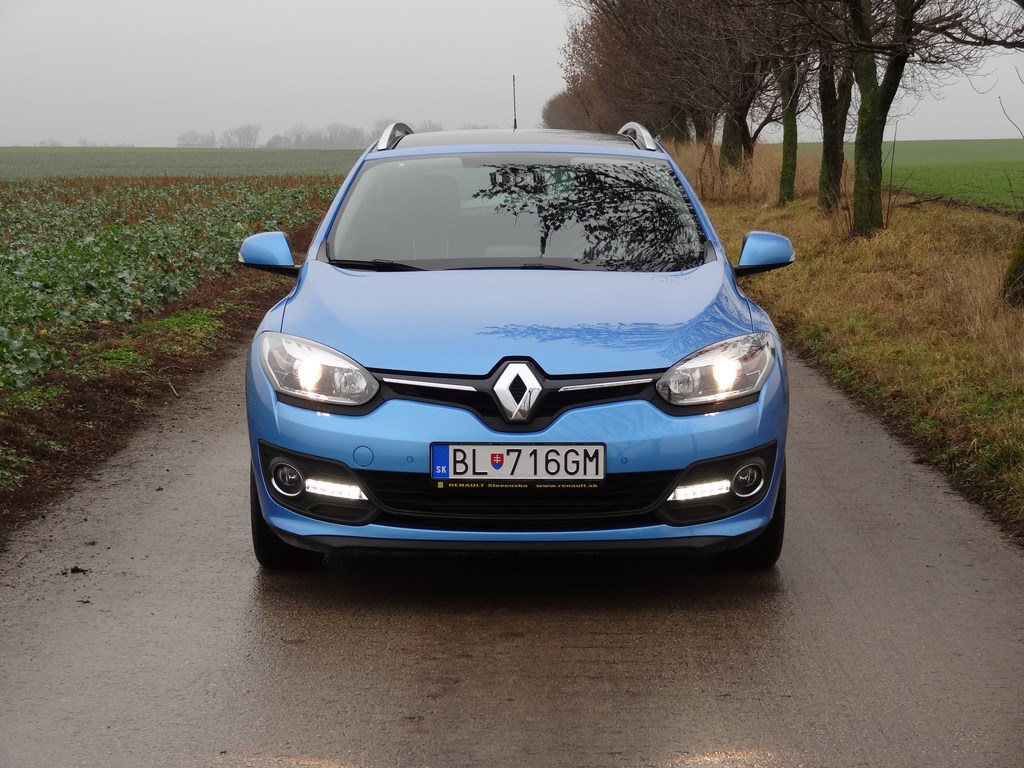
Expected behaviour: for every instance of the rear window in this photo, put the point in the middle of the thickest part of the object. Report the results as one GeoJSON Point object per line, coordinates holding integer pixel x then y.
{"type": "Point", "coordinates": [516, 209]}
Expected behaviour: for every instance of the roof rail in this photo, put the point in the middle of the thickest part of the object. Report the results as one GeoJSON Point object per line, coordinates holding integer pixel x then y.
{"type": "Point", "coordinates": [392, 135]}
{"type": "Point", "coordinates": [640, 136]}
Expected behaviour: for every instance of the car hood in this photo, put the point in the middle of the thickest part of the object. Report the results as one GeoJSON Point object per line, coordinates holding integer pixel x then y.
{"type": "Point", "coordinates": [463, 322]}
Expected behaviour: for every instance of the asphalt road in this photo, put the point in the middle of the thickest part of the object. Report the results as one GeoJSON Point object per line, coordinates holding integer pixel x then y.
{"type": "Point", "coordinates": [136, 629]}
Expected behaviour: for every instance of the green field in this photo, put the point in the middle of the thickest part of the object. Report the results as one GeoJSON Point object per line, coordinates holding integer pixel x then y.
{"type": "Point", "coordinates": [981, 172]}
{"type": "Point", "coordinates": [43, 162]}
{"type": "Point", "coordinates": [112, 234]}
{"type": "Point", "coordinates": [915, 154]}
{"type": "Point", "coordinates": [74, 252]}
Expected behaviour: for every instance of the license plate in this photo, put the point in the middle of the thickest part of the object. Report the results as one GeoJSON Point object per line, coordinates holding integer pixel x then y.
{"type": "Point", "coordinates": [517, 461]}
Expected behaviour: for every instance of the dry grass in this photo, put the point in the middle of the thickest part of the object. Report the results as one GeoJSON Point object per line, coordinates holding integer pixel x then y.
{"type": "Point", "coordinates": [758, 183]}
{"type": "Point", "coordinates": [911, 321]}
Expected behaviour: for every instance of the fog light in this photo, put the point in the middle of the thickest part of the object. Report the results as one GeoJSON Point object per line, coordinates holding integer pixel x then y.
{"type": "Point", "coordinates": [748, 480]}
{"type": "Point", "coordinates": [701, 490]}
{"type": "Point", "coordinates": [335, 490]}
{"type": "Point", "coordinates": [286, 479]}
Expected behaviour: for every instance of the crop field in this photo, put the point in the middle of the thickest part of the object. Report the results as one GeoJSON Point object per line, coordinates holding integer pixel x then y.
{"type": "Point", "coordinates": [42, 162]}
{"type": "Point", "coordinates": [981, 172]}
{"type": "Point", "coordinates": [75, 252]}
{"type": "Point", "coordinates": [102, 235]}
{"type": "Point", "coordinates": [916, 154]}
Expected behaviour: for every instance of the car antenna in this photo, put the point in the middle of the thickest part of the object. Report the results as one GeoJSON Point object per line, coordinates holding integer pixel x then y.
{"type": "Point", "coordinates": [515, 119]}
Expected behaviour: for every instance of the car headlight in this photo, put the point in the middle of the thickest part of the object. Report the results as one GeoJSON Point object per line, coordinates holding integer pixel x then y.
{"type": "Point", "coordinates": [303, 368]}
{"type": "Point", "coordinates": [729, 369]}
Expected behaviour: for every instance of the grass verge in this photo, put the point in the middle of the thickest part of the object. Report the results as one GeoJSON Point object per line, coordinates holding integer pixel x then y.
{"type": "Point", "coordinates": [911, 322]}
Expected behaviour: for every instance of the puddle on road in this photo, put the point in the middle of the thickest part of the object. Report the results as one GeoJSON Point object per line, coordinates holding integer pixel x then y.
{"type": "Point", "coordinates": [737, 759]}
{"type": "Point", "coordinates": [264, 761]}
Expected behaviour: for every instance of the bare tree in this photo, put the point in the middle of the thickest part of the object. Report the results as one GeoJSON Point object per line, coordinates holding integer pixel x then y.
{"type": "Point", "coordinates": [195, 139]}
{"type": "Point", "coordinates": [744, 60]}
{"type": "Point", "coordinates": [564, 110]}
{"type": "Point", "coordinates": [680, 66]}
{"type": "Point", "coordinates": [242, 137]}
{"type": "Point", "coordinates": [604, 82]}
{"type": "Point", "coordinates": [809, 49]}
{"type": "Point", "coordinates": [788, 49]}
{"type": "Point", "coordinates": [341, 136]}
{"type": "Point", "coordinates": [883, 41]}
{"type": "Point", "coordinates": [835, 92]}
{"type": "Point", "coordinates": [1013, 284]}
{"type": "Point", "coordinates": [598, 82]}
{"type": "Point", "coordinates": [302, 137]}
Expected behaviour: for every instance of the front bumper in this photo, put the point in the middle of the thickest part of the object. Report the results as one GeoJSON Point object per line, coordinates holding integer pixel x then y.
{"type": "Point", "coordinates": [393, 442]}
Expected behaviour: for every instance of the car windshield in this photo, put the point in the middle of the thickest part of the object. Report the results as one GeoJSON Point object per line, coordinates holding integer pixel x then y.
{"type": "Point", "coordinates": [518, 210]}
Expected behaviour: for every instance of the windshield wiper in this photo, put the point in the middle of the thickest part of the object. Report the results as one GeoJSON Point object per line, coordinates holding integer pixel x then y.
{"type": "Point", "coordinates": [537, 265]}
{"type": "Point", "coordinates": [502, 264]}
{"type": "Point", "coordinates": [375, 265]}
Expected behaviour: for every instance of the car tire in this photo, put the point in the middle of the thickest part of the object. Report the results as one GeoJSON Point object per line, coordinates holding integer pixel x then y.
{"type": "Point", "coordinates": [271, 552]}
{"type": "Point", "coordinates": [763, 552]}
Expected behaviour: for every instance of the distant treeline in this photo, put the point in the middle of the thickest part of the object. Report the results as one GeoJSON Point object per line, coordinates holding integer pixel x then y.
{"type": "Point", "coordinates": [334, 136]}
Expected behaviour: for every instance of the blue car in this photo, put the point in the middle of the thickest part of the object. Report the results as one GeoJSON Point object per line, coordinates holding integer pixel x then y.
{"type": "Point", "coordinates": [516, 339]}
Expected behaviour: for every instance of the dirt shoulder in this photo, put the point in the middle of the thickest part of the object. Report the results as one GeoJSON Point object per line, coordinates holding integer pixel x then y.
{"type": "Point", "coordinates": [72, 419]}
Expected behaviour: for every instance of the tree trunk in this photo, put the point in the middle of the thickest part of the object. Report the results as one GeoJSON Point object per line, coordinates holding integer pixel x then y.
{"type": "Point", "coordinates": [875, 101]}
{"type": "Point", "coordinates": [868, 214]}
{"type": "Point", "coordinates": [834, 97]}
{"type": "Point", "coordinates": [737, 141]}
{"type": "Point", "coordinates": [746, 138]}
{"type": "Point", "coordinates": [867, 150]}
{"type": "Point", "coordinates": [786, 77]}
{"type": "Point", "coordinates": [1013, 288]}
{"type": "Point", "coordinates": [732, 143]}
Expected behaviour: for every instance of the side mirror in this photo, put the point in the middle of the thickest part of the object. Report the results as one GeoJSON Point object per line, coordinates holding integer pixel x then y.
{"type": "Point", "coordinates": [270, 252]}
{"type": "Point", "coordinates": [763, 251]}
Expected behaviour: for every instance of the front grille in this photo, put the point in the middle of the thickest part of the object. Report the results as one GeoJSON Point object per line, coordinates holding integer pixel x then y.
{"type": "Point", "coordinates": [625, 500]}
{"type": "Point", "coordinates": [556, 396]}
{"type": "Point", "coordinates": [550, 403]}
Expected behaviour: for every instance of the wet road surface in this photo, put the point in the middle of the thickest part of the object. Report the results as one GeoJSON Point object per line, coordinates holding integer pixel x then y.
{"type": "Point", "coordinates": [136, 629]}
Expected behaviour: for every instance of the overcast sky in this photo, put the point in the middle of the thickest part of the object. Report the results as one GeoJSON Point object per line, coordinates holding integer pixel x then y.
{"type": "Point", "coordinates": [144, 71]}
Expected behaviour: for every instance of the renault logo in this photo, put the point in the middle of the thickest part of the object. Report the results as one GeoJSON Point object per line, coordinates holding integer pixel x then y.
{"type": "Point", "coordinates": [517, 390]}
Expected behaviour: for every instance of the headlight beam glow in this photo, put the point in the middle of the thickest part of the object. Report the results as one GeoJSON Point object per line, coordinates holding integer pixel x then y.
{"type": "Point", "coordinates": [335, 490]}
{"type": "Point", "coordinates": [307, 369]}
{"type": "Point", "coordinates": [733, 368]}
{"type": "Point", "coordinates": [705, 490]}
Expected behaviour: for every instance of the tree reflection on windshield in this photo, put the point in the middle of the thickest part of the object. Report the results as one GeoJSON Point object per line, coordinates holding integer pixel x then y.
{"type": "Point", "coordinates": [627, 216]}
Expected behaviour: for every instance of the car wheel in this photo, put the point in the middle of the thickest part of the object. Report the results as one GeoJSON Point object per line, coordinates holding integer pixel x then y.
{"type": "Point", "coordinates": [763, 552]}
{"type": "Point", "coordinates": [271, 552]}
